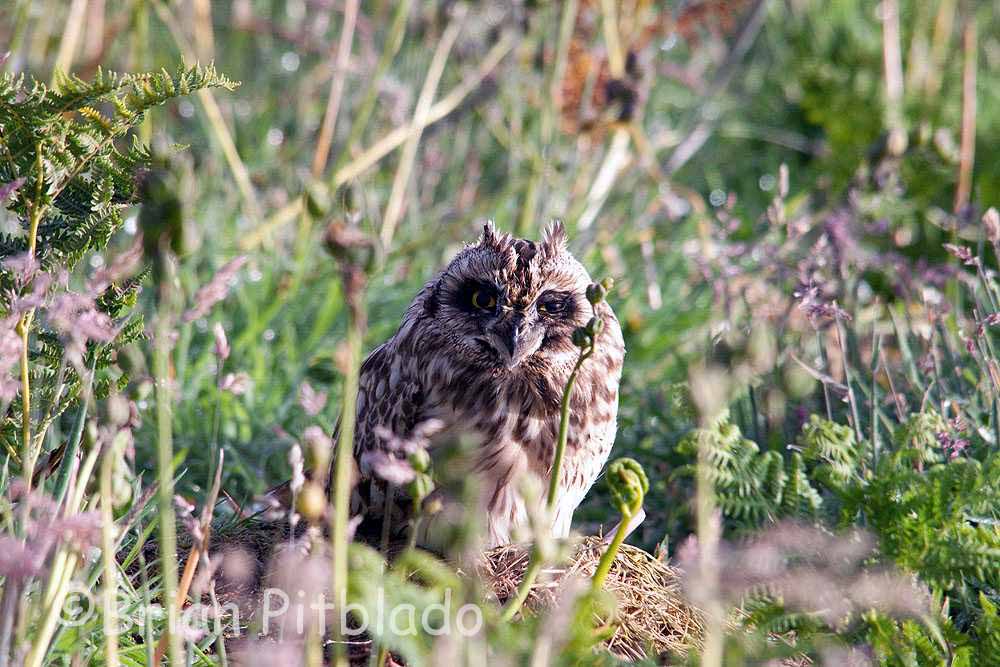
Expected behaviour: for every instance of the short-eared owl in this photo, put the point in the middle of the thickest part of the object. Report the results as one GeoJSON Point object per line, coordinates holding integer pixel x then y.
{"type": "Point", "coordinates": [486, 347]}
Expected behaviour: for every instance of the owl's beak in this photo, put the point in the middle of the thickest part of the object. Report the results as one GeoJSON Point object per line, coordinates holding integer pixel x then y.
{"type": "Point", "coordinates": [514, 344]}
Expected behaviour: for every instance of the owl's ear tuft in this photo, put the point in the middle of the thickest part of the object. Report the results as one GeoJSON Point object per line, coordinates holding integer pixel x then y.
{"type": "Point", "coordinates": [492, 238]}
{"type": "Point", "coordinates": [490, 235]}
{"type": "Point", "coordinates": [554, 239]}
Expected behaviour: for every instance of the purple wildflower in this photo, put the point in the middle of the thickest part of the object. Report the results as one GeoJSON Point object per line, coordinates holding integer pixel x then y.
{"type": "Point", "coordinates": [20, 560]}
{"type": "Point", "coordinates": [76, 317]}
{"type": "Point", "coordinates": [216, 289]}
{"type": "Point", "coordinates": [24, 267]}
{"type": "Point", "coordinates": [7, 189]}
{"type": "Point", "coordinates": [312, 401]}
{"type": "Point", "coordinates": [387, 466]}
{"type": "Point", "coordinates": [222, 349]}
{"type": "Point", "coordinates": [951, 441]}
{"type": "Point", "coordinates": [236, 384]}
{"type": "Point", "coordinates": [419, 437]}
{"type": "Point", "coordinates": [123, 266]}
{"type": "Point", "coordinates": [962, 253]}
{"type": "Point", "coordinates": [815, 306]}
{"type": "Point", "coordinates": [10, 355]}
{"type": "Point", "coordinates": [809, 570]}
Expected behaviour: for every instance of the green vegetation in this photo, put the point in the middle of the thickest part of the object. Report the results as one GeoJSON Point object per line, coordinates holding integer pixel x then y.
{"type": "Point", "coordinates": [793, 199]}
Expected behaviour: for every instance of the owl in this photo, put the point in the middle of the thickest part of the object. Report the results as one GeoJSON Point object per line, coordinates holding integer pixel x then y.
{"type": "Point", "coordinates": [485, 347]}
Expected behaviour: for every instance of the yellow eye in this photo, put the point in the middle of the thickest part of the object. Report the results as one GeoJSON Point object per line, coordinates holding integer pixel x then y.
{"type": "Point", "coordinates": [483, 300]}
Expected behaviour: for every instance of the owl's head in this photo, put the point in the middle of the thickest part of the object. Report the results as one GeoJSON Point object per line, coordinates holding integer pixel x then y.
{"type": "Point", "coordinates": [505, 302]}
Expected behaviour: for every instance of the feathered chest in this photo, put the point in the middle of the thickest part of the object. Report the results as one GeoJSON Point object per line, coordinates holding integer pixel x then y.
{"type": "Point", "coordinates": [514, 414]}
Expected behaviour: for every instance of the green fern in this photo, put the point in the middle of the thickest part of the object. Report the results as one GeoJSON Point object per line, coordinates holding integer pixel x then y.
{"type": "Point", "coordinates": [833, 448]}
{"type": "Point", "coordinates": [916, 439]}
{"type": "Point", "coordinates": [64, 143]}
{"type": "Point", "coordinates": [71, 169]}
{"type": "Point", "coordinates": [987, 632]}
{"type": "Point", "coordinates": [751, 486]}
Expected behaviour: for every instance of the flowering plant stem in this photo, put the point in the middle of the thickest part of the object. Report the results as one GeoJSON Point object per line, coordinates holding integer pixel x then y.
{"type": "Point", "coordinates": [342, 470]}
{"type": "Point", "coordinates": [165, 455]}
{"type": "Point", "coordinates": [110, 584]}
{"type": "Point", "coordinates": [564, 429]}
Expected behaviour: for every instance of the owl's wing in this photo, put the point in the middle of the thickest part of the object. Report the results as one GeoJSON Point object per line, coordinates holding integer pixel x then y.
{"type": "Point", "coordinates": [389, 396]}
{"type": "Point", "coordinates": [370, 404]}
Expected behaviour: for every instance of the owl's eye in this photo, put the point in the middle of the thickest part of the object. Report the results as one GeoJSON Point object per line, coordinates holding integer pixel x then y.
{"type": "Point", "coordinates": [553, 305]}
{"type": "Point", "coordinates": [550, 308]}
{"type": "Point", "coordinates": [483, 300]}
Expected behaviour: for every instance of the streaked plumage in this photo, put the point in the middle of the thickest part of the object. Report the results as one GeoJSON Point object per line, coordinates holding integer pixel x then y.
{"type": "Point", "coordinates": [485, 346]}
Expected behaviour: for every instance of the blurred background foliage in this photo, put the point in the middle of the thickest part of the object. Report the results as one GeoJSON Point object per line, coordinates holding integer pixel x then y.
{"type": "Point", "coordinates": [789, 194]}
{"type": "Point", "coordinates": [642, 147]}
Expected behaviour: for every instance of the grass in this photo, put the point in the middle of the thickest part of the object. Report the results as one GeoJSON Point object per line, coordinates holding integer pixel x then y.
{"type": "Point", "coordinates": [664, 137]}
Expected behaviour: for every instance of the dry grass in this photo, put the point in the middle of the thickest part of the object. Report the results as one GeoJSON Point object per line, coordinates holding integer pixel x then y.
{"type": "Point", "coordinates": [653, 616]}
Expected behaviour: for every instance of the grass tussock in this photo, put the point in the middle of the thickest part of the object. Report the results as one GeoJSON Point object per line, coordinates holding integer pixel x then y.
{"type": "Point", "coordinates": [652, 615]}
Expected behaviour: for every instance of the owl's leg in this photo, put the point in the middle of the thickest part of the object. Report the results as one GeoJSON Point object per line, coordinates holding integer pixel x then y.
{"type": "Point", "coordinates": [632, 524]}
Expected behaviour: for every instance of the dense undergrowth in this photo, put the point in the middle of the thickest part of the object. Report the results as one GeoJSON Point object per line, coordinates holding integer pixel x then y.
{"type": "Point", "coordinates": [793, 199]}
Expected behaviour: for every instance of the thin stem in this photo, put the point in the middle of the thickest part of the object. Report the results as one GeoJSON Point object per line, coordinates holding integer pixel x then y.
{"type": "Point", "coordinates": [61, 572]}
{"type": "Point", "coordinates": [552, 99]}
{"type": "Point", "coordinates": [708, 542]}
{"type": "Point", "coordinates": [535, 564]}
{"type": "Point", "coordinates": [24, 329]}
{"type": "Point", "coordinates": [564, 429]}
{"type": "Point", "coordinates": [217, 419]}
{"type": "Point", "coordinates": [616, 58]}
{"type": "Point", "coordinates": [220, 636]}
{"type": "Point", "coordinates": [165, 451]}
{"type": "Point", "coordinates": [530, 574]}
{"type": "Point", "coordinates": [411, 541]}
{"type": "Point", "coordinates": [394, 208]}
{"type": "Point", "coordinates": [8, 612]}
{"type": "Point", "coordinates": [110, 585]}
{"type": "Point", "coordinates": [27, 453]}
{"type": "Point", "coordinates": [73, 444]}
{"type": "Point", "coordinates": [342, 471]}
{"type": "Point", "coordinates": [849, 381]}
{"type": "Point", "coordinates": [16, 39]}
{"type": "Point", "coordinates": [876, 351]}
{"type": "Point", "coordinates": [826, 369]}
{"type": "Point", "coordinates": [892, 64]}
{"type": "Point", "coordinates": [75, 20]}
{"type": "Point", "coordinates": [391, 141]}
{"type": "Point", "coordinates": [608, 557]}
{"type": "Point", "coordinates": [393, 41]}
{"type": "Point", "coordinates": [941, 40]}
{"type": "Point", "coordinates": [60, 589]}
{"type": "Point", "coordinates": [336, 89]}
{"type": "Point", "coordinates": [216, 121]}
{"type": "Point", "coordinates": [390, 495]}
{"type": "Point", "coordinates": [968, 142]}
{"type": "Point", "coordinates": [138, 59]}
